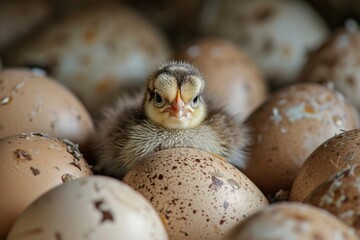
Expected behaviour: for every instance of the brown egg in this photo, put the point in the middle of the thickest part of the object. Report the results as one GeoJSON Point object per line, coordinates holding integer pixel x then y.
{"type": "Point", "coordinates": [199, 195]}
{"type": "Point", "coordinates": [96, 52]}
{"type": "Point", "coordinates": [277, 35]}
{"type": "Point", "coordinates": [19, 18]}
{"type": "Point", "coordinates": [332, 156]}
{"type": "Point", "coordinates": [232, 79]}
{"type": "Point", "coordinates": [288, 127]}
{"type": "Point", "coordinates": [30, 102]}
{"type": "Point", "coordinates": [95, 207]}
{"type": "Point", "coordinates": [293, 221]}
{"type": "Point", "coordinates": [340, 195]}
{"type": "Point", "coordinates": [337, 64]}
{"type": "Point", "coordinates": [32, 164]}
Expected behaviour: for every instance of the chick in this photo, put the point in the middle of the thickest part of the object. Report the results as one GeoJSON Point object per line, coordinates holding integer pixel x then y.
{"type": "Point", "coordinates": [170, 113]}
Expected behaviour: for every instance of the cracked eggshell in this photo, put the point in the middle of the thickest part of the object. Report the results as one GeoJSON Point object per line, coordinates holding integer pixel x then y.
{"type": "Point", "coordinates": [295, 221]}
{"type": "Point", "coordinates": [337, 63]}
{"type": "Point", "coordinates": [96, 53]}
{"type": "Point", "coordinates": [288, 127]}
{"type": "Point", "coordinates": [32, 164]}
{"type": "Point", "coordinates": [340, 195]}
{"type": "Point", "coordinates": [232, 79]}
{"type": "Point", "coordinates": [334, 155]}
{"type": "Point", "coordinates": [199, 195]}
{"type": "Point", "coordinates": [95, 207]}
{"type": "Point", "coordinates": [30, 102]}
{"type": "Point", "coordinates": [265, 31]}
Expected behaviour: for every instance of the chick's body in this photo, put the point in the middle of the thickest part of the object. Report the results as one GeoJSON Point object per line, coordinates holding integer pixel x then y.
{"type": "Point", "coordinates": [129, 132]}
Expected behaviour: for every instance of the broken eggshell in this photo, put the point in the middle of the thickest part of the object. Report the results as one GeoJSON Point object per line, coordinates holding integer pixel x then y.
{"type": "Point", "coordinates": [32, 164]}
{"type": "Point", "coordinates": [340, 195]}
{"type": "Point", "coordinates": [95, 207]}
{"type": "Point", "coordinates": [199, 195]}
{"type": "Point", "coordinates": [336, 154]}
{"type": "Point", "coordinates": [288, 127]}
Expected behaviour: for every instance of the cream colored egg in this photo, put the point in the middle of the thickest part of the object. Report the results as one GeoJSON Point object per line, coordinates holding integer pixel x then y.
{"type": "Point", "coordinates": [199, 195]}
{"type": "Point", "coordinates": [293, 221]}
{"type": "Point", "coordinates": [96, 207]}
{"type": "Point", "coordinates": [276, 34]}
{"type": "Point", "coordinates": [288, 127]}
{"type": "Point", "coordinates": [233, 81]}
{"type": "Point", "coordinates": [340, 195]}
{"type": "Point", "coordinates": [334, 155]}
{"type": "Point", "coordinates": [96, 52]}
{"type": "Point", "coordinates": [32, 164]}
{"type": "Point", "coordinates": [30, 102]}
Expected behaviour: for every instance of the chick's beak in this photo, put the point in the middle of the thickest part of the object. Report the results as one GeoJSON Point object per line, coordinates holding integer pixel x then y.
{"type": "Point", "coordinates": [178, 105]}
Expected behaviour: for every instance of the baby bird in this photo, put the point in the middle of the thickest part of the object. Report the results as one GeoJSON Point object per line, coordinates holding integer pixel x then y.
{"type": "Point", "coordinates": [172, 113]}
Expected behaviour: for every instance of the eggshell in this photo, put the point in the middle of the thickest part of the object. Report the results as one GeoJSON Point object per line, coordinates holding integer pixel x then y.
{"type": "Point", "coordinates": [276, 34]}
{"type": "Point", "coordinates": [96, 207]}
{"type": "Point", "coordinates": [30, 102]}
{"type": "Point", "coordinates": [32, 164]}
{"type": "Point", "coordinates": [199, 195]}
{"type": "Point", "coordinates": [233, 81]}
{"type": "Point", "coordinates": [20, 18]}
{"type": "Point", "coordinates": [288, 127]}
{"type": "Point", "coordinates": [293, 221]}
{"type": "Point", "coordinates": [337, 63]}
{"type": "Point", "coordinates": [334, 155]}
{"type": "Point", "coordinates": [340, 195]}
{"type": "Point", "coordinates": [96, 52]}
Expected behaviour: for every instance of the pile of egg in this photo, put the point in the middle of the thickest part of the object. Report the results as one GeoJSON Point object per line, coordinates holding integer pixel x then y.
{"type": "Point", "coordinates": [287, 68]}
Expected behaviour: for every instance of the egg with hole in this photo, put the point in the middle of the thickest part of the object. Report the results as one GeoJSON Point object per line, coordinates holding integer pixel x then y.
{"type": "Point", "coordinates": [233, 81]}
{"type": "Point", "coordinates": [340, 195]}
{"type": "Point", "coordinates": [95, 207]}
{"type": "Point", "coordinates": [96, 52]}
{"type": "Point", "coordinates": [31, 102]}
{"type": "Point", "coordinates": [199, 195]}
{"type": "Point", "coordinates": [294, 221]}
{"type": "Point", "coordinates": [288, 127]}
{"type": "Point", "coordinates": [332, 156]}
{"type": "Point", "coordinates": [32, 164]}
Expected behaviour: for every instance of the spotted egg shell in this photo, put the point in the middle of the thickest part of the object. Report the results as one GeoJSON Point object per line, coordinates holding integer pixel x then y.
{"type": "Point", "coordinates": [30, 102]}
{"type": "Point", "coordinates": [340, 195]}
{"type": "Point", "coordinates": [232, 79]}
{"type": "Point", "coordinates": [337, 63]}
{"type": "Point", "coordinates": [199, 195]}
{"type": "Point", "coordinates": [32, 164]}
{"type": "Point", "coordinates": [95, 207]}
{"type": "Point", "coordinates": [293, 221]}
{"type": "Point", "coordinates": [288, 127]}
{"type": "Point", "coordinates": [334, 155]}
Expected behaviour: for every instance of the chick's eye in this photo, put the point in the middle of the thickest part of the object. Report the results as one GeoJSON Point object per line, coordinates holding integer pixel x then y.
{"type": "Point", "coordinates": [158, 100]}
{"type": "Point", "coordinates": [195, 101]}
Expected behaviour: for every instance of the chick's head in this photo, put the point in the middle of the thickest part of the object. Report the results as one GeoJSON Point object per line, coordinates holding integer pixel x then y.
{"type": "Point", "coordinates": [174, 96]}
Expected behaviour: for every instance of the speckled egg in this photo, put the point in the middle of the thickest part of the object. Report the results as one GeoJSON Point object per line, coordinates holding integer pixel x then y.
{"type": "Point", "coordinates": [30, 102]}
{"type": "Point", "coordinates": [337, 63]}
{"type": "Point", "coordinates": [96, 207]}
{"type": "Point", "coordinates": [233, 81]}
{"type": "Point", "coordinates": [276, 34]}
{"type": "Point", "coordinates": [288, 127]}
{"type": "Point", "coordinates": [334, 155]}
{"type": "Point", "coordinates": [199, 195]}
{"type": "Point", "coordinates": [96, 52]}
{"type": "Point", "coordinates": [293, 221]}
{"type": "Point", "coordinates": [340, 195]}
{"type": "Point", "coordinates": [32, 164]}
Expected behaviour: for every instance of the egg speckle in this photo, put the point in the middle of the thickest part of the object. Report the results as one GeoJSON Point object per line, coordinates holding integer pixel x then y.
{"type": "Point", "coordinates": [199, 195]}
